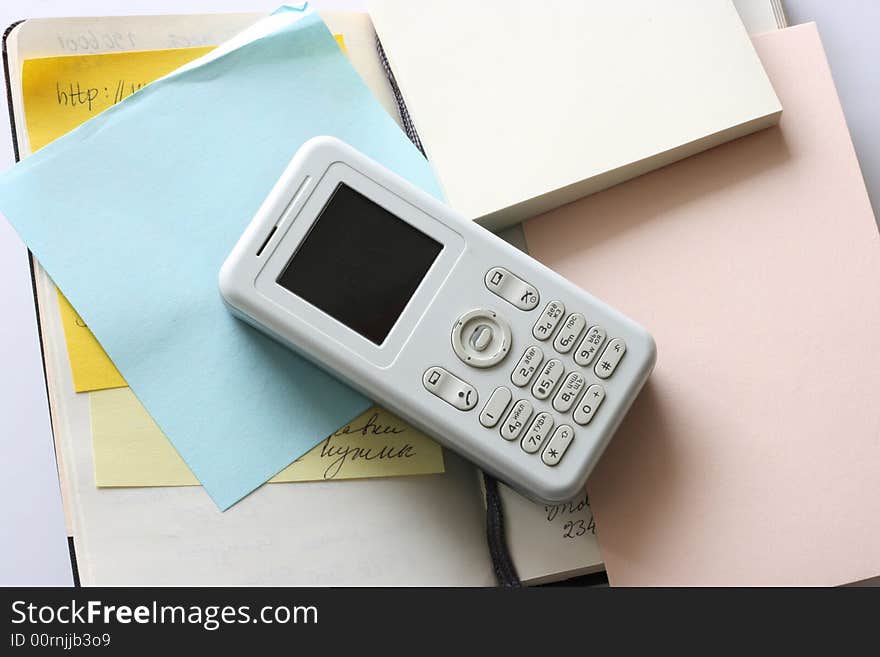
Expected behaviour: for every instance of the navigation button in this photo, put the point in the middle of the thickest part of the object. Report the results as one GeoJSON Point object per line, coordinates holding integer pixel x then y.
{"type": "Point", "coordinates": [481, 338]}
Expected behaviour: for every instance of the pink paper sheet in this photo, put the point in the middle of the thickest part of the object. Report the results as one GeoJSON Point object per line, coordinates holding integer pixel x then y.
{"type": "Point", "coordinates": [753, 454]}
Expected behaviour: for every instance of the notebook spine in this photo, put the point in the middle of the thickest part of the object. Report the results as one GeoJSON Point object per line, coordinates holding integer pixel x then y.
{"type": "Point", "coordinates": [779, 14]}
{"type": "Point", "coordinates": [408, 127]}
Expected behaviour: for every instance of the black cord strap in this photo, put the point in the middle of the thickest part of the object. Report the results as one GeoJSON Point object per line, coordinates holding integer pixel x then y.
{"type": "Point", "coordinates": [408, 126]}
{"type": "Point", "coordinates": [505, 570]}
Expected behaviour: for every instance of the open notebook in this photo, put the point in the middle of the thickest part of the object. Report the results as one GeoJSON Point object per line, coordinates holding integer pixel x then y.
{"type": "Point", "coordinates": [425, 529]}
{"type": "Point", "coordinates": [405, 530]}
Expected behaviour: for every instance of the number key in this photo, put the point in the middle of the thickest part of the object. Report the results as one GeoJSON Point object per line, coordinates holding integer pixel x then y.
{"type": "Point", "coordinates": [527, 366]}
{"type": "Point", "coordinates": [536, 434]}
{"type": "Point", "coordinates": [589, 346]}
{"type": "Point", "coordinates": [548, 379]}
{"type": "Point", "coordinates": [549, 320]}
{"type": "Point", "coordinates": [568, 393]}
{"type": "Point", "coordinates": [590, 403]}
{"type": "Point", "coordinates": [516, 420]}
{"type": "Point", "coordinates": [569, 332]}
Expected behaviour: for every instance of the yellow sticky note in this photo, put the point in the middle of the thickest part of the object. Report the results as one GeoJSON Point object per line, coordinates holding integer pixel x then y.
{"type": "Point", "coordinates": [59, 94]}
{"type": "Point", "coordinates": [131, 450]}
{"type": "Point", "coordinates": [94, 369]}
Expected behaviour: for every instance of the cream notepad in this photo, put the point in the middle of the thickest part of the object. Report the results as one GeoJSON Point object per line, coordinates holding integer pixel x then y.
{"type": "Point", "coordinates": [752, 455]}
{"type": "Point", "coordinates": [522, 107]}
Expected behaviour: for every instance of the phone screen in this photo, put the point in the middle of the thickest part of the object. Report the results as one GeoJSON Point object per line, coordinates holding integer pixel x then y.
{"type": "Point", "coordinates": [360, 264]}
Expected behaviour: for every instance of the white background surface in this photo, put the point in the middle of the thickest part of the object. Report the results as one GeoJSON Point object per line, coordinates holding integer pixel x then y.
{"type": "Point", "coordinates": [850, 32]}
{"type": "Point", "coordinates": [33, 546]}
{"type": "Point", "coordinates": [33, 549]}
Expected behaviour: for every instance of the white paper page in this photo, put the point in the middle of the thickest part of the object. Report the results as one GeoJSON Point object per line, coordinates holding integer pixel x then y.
{"type": "Point", "coordinates": [550, 542]}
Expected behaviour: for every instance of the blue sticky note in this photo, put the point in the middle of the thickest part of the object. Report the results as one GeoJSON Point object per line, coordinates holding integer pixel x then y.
{"type": "Point", "coordinates": [133, 213]}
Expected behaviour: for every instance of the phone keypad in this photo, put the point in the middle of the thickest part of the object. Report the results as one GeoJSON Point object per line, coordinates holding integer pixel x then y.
{"type": "Point", "coordinates": [481, 339]}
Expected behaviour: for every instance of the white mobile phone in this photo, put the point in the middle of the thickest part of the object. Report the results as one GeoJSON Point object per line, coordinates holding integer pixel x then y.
{"type": "Point", "coordinates": [438, 320]}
